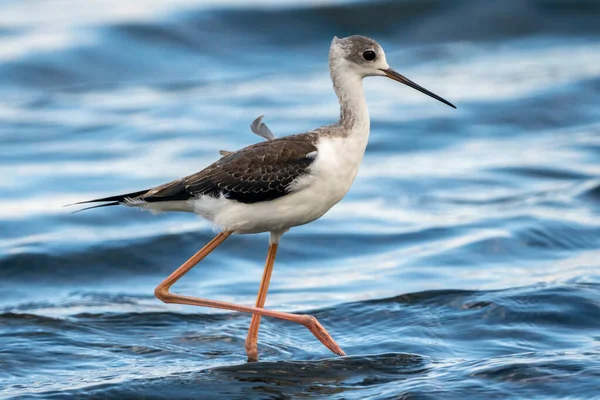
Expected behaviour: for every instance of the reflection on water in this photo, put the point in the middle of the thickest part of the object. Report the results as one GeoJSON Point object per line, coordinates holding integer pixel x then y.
{"type": "Point", "coordinates": [463, 262]}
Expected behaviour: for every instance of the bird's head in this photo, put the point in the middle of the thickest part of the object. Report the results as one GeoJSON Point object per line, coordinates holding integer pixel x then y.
{"type": "Point", "coordinates": [359, 57]}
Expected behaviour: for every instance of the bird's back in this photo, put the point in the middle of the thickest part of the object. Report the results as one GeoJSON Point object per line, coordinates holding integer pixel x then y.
{"type": "Point", "coordinates": [259, 172]}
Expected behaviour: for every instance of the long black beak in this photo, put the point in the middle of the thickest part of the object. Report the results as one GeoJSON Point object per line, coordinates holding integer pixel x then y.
{"type": "Point", "coordinates": [390, 73]}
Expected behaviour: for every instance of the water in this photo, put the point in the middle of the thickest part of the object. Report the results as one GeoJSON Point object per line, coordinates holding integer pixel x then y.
{"type": "Point", "coordinates": [463, 263]}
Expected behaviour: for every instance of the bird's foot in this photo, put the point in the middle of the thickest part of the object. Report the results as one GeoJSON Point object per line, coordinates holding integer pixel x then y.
{"type": "Point", "coordinates": [252, 352]}
{"type": "Point", "coordinates": [321, 333]}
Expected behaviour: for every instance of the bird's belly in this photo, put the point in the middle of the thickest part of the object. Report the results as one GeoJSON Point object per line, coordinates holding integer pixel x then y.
{"type": "Point", "coordinates": [279, 215]}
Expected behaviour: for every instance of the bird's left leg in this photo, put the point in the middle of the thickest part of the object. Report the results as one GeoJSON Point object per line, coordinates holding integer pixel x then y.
{"type": "Point", "coordinates": [252, 338]}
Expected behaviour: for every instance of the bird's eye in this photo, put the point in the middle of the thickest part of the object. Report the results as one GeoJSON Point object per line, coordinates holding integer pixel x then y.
{"type": "Point", "coordinates": [369, 55]}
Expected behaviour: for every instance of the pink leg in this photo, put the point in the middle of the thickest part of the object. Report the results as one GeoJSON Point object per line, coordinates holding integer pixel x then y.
{"type": "Point", "coordinates": [162, 293]}
{"type": "Point", "coordinates": [252, 339]}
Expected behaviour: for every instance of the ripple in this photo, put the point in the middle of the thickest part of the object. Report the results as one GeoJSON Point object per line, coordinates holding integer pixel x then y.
{"type": "Point", "coordinates": [462, 264]}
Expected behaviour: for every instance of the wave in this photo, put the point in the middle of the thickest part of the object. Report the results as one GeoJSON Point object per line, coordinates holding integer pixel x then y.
{"type": "Point", "coordinates": [404, 21]}
{"type": "Point", "coordinates": [515, 325]}
{"type": "Point", "coordinates": [192, 42]}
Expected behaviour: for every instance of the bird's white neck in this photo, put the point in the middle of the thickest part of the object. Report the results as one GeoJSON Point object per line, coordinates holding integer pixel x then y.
{"type": "Point", "coordinates": [354, 114]}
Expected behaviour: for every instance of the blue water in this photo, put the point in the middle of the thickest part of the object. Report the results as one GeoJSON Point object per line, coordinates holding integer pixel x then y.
{"type": "Point", "coordinates": [464, 262]}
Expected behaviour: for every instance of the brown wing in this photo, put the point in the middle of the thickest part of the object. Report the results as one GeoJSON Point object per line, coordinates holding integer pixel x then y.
{"type": "Point", "coordinates": [261, 172]}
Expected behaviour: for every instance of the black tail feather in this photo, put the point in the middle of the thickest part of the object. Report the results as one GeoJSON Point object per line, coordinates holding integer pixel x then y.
{"type": "Point", "coordinates": [113, 200]}
{"type": "Point", "coordinates": [120, 198]}
{"type": "Point", "coordinates": [114, 203]}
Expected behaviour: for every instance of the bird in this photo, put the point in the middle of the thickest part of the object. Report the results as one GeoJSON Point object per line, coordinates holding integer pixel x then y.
{"type": "Point", "coordinates": [277, 184]}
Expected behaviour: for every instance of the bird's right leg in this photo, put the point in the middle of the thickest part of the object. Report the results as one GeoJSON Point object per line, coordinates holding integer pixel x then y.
{"type": "Point", "coordinates": [162, 293]}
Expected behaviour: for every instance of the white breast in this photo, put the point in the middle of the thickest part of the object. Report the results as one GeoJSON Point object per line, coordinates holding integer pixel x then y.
{"type": "Point", "coordinates": [311, 196]}
{"type": "Point", "coordinates": [334, 169]}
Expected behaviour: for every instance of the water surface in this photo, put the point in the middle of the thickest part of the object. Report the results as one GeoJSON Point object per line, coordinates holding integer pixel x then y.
{"type": "Point", "coordinates": [464, 262]}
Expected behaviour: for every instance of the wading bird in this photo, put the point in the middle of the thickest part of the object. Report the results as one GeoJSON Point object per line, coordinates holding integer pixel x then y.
{"type": "Point", "coordinates": [277, 184]}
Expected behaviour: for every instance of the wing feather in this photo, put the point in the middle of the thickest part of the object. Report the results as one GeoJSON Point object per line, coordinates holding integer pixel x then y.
{"type": "Point", "coordinates": [261, 172]}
